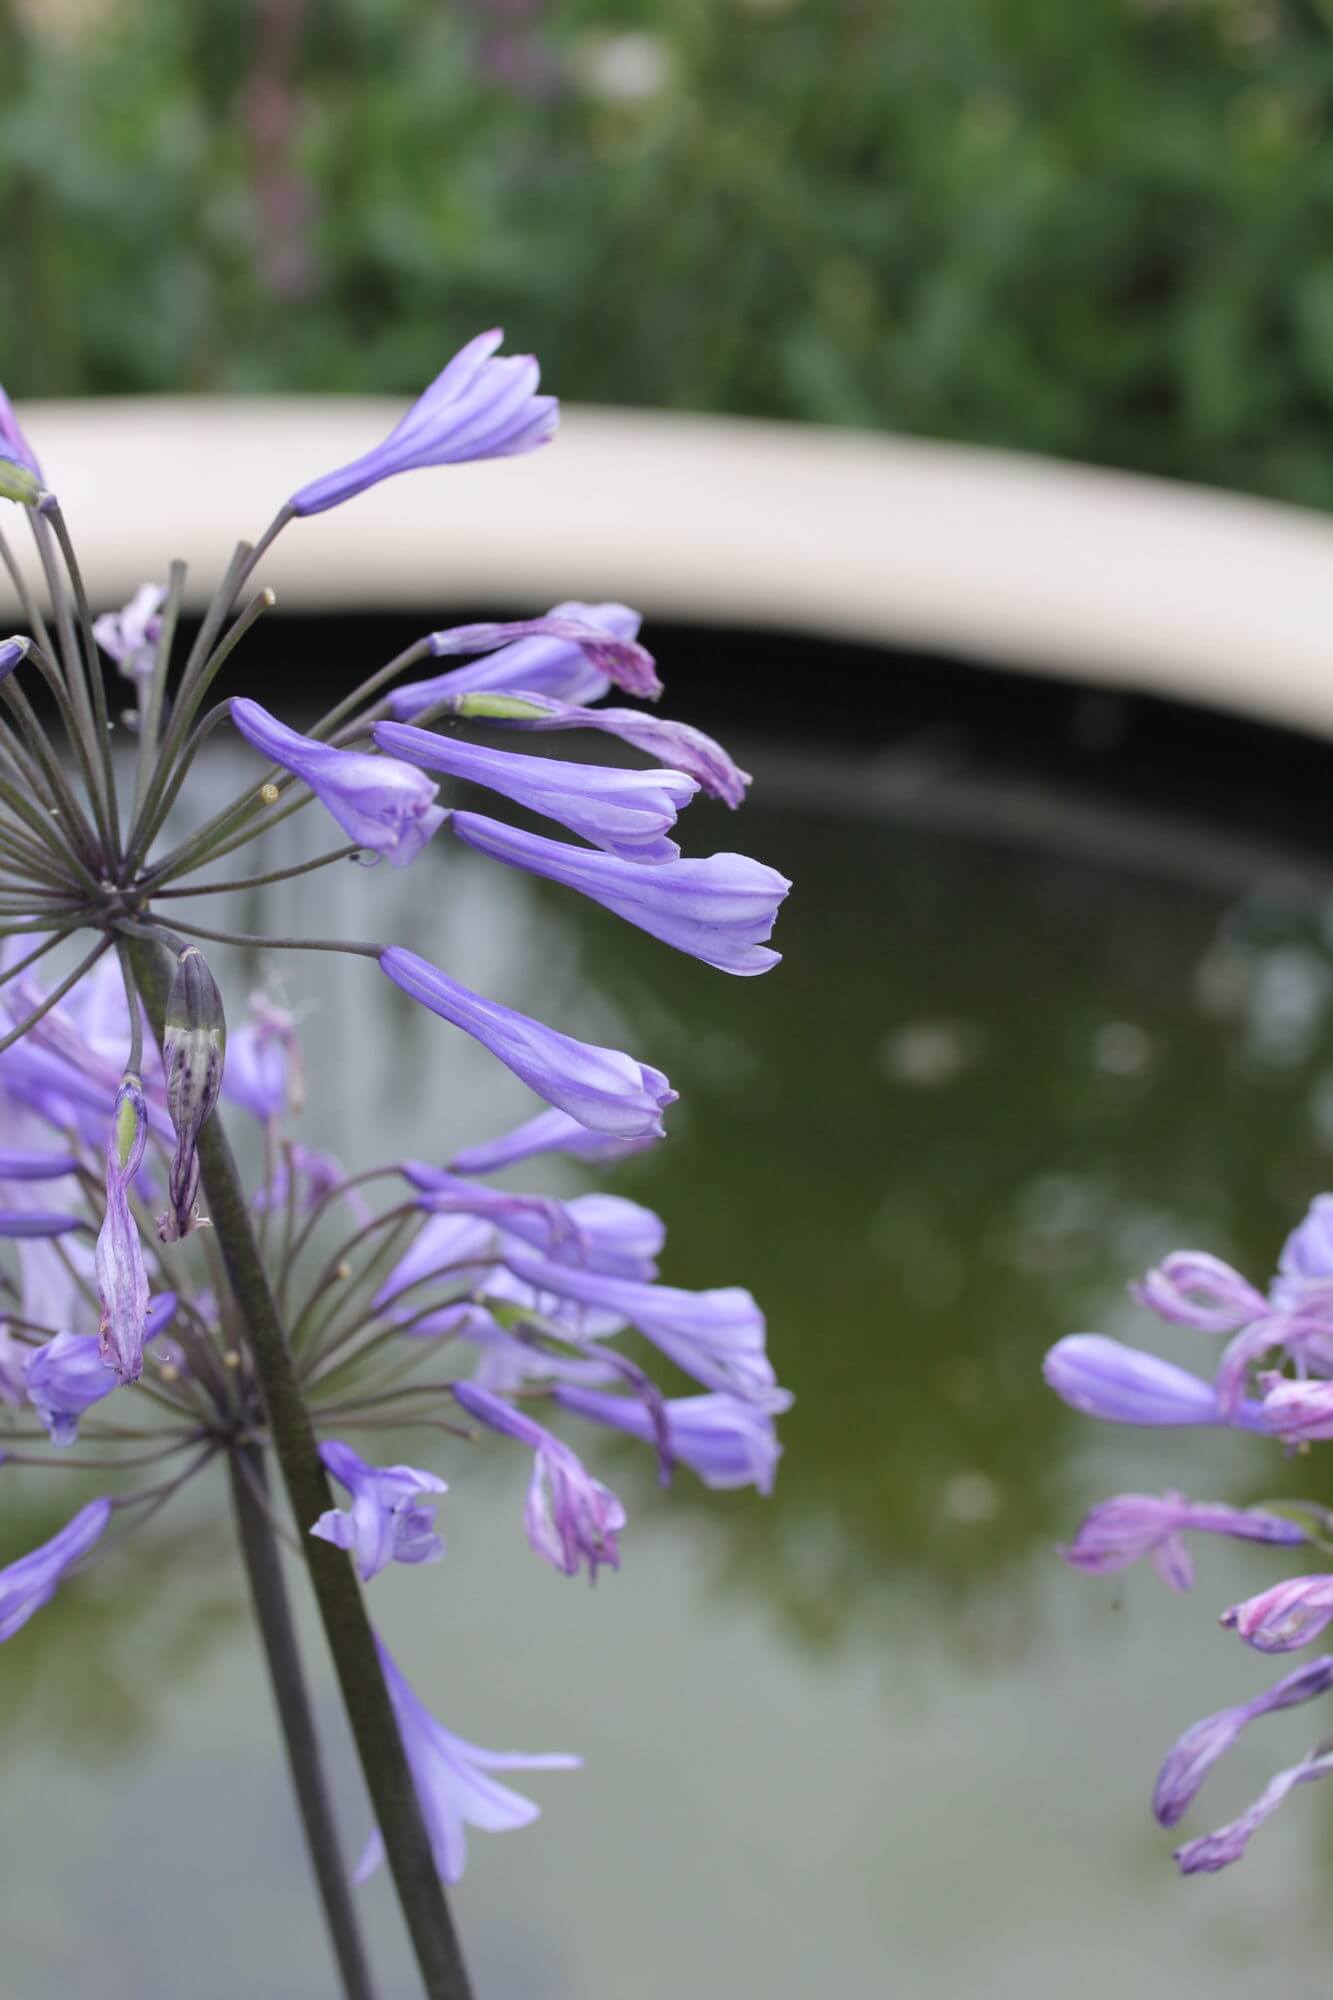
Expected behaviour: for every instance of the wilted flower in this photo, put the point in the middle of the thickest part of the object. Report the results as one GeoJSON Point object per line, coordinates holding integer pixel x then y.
{"type": "Point", "coordinates": [571, 1517]}
{"type": "Point", "coordinates": [1117, 1532]}
{"type": "Point", "coordinates": [1189, 1761]}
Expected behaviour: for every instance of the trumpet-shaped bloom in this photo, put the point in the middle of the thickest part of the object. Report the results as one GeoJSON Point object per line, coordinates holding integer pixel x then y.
{"type": "Point", "coordinates": [64, 1378]}
{"type": "Point", "coordinates": [1220, 1849]}
{"type": "Point", "coordinates": [1124, 1385]}
{"type": "Point", "coordinates": [451, 1781]}
{"type": "Point", "coordinates": [386, 1522]}
{"type": "Point", "coordinates": [603, 1089]}
{"type": "Point", "coordinates": [560, 667]}
{"type": "Point", "coordinates": [549, 1132]}
{"type": "Point", "coordinates": [1189, 1761]}
{"type": "Point", "coordinates": [617, 655]}
{"type": "Point", "coordinates": [476, 407]}
{"type": "Point", "coordinates": [571, 1518]}
{"type": "Point", "coordinates": [1117, 1532]}
{"type": "Point", "coordinates": [1192, 1288]}
{"type": "Point", "coordinates": [676, 744]}
{"type": "Point", "coordinates": [1284, 1617]}
{"type": "Point", "coordinates": [625, 812]}
{"type": "Point", "coordinates": [725, 1441]}
{"type": "Point", "coordinates": [130, 636]}
{"type": "Point", "coordinates": [122, 1281]}
{"type": "Point", "coordinates": [720, 909]}
{"type": "Point", "coordinates": [382, 804]}
{"type": "Point", "coordinates": [715, 1336]}
{"type": "Point", "coordinates": [602, 1231]}
{"type": "Point", "coordinates": [32, 1581]}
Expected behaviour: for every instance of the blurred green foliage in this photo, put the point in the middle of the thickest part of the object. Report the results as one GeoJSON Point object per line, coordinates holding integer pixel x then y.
{"type": "Point", "coordinates": [1101, 229]}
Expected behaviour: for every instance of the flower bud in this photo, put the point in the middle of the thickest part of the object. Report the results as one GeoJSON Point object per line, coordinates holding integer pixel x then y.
{"type": "Point", "coordinates": [17, 482]}
{"type": "Point", "coordinates": [194, 1045]}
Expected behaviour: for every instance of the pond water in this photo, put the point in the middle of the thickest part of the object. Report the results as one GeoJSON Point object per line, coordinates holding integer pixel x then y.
{"type": "Point", "coordinates": [870, 1736]}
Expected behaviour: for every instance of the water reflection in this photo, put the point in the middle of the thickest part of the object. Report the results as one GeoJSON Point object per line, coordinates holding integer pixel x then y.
{"type": "Point", "coordinates": [984, 1089]}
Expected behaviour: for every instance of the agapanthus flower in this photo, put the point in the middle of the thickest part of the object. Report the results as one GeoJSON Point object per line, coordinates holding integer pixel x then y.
{"type": "Point", "coordinates": [625, 663]}
{"type": "Point", "coordinates": [720, 909]}
{"type": "Point", "coordinates": [677, 744]}
{"type": "Point", "coordinates": [1286, 1616]}
{"type": "Point", "coordinates": [263, 1073]}
{"type": "Point", "coordinates": [1117, 1532]}
{"type": "Point", "coordinates": [625, 812]}
{"type": "Point", "coordinates": [1189, 1760]}
{"type": "Point", "coordinates": [571, 1518]}
{"type": "Point", "coordinates": [452, 1786]}
{"type": "Point", "coordinates": [726, 1441]}
{"type": "Point", "coordinates": [600, 1087]}
{"type": "Point", "coordinates": [1298, 1411]}
{"type": "Point", "coordinates": [548, 1132]}
{"type": "Point", "coordinates": [477, 407]}
{"type": "Point", "coordinates": [35, 1164]}
{"type": "Point", "coordinates": [1220, 1849]}
{"type": "Point", "coordinates": [130, 636]}
{"type": "Point", "coordinates": [1193, 1288]}
{"type": "Point", "coordinates": [65, 1377]}
{"type": "Point", "coordinates": [382, 804]}
{"type": "Point", "coordinates": [39, 1222]}
{"type": "Point", "coordinates": [386, 1521]}
{"type": "Point", "coordinates": [715, 1336]}
{"type": "Point", "coordinates": [1126, 1385]}
{"type": "Point", "coordinates": [122, 1281]}
{"type": "Point", "coordinates": [32, 1581]}
{"type": "Point", "coordinates": [559, 667]}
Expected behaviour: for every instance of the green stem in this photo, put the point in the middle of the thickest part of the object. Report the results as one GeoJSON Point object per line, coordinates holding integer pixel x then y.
{"type": "Point", "coordinates": [337, 1592]}
{"type": "Point", "coordinates": [268, 1591]}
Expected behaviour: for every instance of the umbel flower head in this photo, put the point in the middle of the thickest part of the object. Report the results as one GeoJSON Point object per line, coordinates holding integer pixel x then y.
{"type": "Point", "coordinates": [1258, 1336]}
{"type": "Point", "coordinates": [327, 1302]}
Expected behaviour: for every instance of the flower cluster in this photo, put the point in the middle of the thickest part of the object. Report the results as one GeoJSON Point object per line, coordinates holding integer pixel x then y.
{"type": "Point", "coordinates": [412, 1293]}
{"type": "Point", "coordinates": [1273, 1375]}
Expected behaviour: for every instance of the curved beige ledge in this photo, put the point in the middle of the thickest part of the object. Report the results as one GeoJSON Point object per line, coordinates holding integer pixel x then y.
{"type": "Point", "coordinates": [1120, 581]}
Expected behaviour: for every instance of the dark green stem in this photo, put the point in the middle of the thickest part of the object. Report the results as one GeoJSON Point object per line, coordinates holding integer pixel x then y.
{"type": "Point", "coordinates": [268, 1591]}
{"type": "Point", "coordinates": [337, 1592]}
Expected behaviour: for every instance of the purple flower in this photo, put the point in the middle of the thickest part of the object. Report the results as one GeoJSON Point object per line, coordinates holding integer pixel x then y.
{"type": "Point", "coordinates": [571, 1518]}
{"type": "Point", "coordinates": [32, 1581]}
{"type": "Point", "coordinates": [1189, 1761]}
{"type": "Point", "coordinates": [625, 663]}
{"type": "Point", "coordinates": [19, 1165]}
{"type": "Point", "coordinates": [130, 636]}
{"type": "Point", "coordinates": [553, 666]}
{"type": "Point", "coordinates": [24, 1222]}
{"type": "Point", "coordinates": [382, 804]}
{"type": "Point", "coordinates": [64, 1378]}
{"type": "Point", "coordinates": [603, 1231]}
{"type": "Point", "coordinates": [1288, 1615]}
{"type": "Point", "coordinates": [122, 1282]}
{"type": "Point", "coordinates": [1117, 1532]}
{"type": "Point", "coordinates": [600, 1087]}
{"type": "Point", "coordinates": [726, 1441]}
{"type": "Point", "coordinates": [446, 1245]}
{"type": "Point", "coordinates": [13, 444]}
{"type": "Point", "coordinates": [1297, 1411]}
{"type": "Point", "coordinates": [385, 1523]}
{"type": "Point", "coordinates": [475, 408]}
{"type": "Point", "coordinates": [1305, 1269]}
{"type": "Point", "coordinates": [263, 1073]}
{"type": "Point", "coordinates": [1124, 1385]}
{"type": "Point", "coordinates": [452, 1787]}
{"type": "Point", "coordinates": [677, 744]}
{"type": "Point", "coordinates": [1190, 1288]}
{"type": "Point", "coordinates": [1220, 1849]}
{"type": "Point", "coordinates": [720, 909]}
{"type": "Point", "coordinates": [549, 1132]}
{"type": "Point", "coordinates": [13, 1369]}
{"type": "Point", "coordinates": [715, 1336]}
{"type": "Point", "coordinates": [625, 812]}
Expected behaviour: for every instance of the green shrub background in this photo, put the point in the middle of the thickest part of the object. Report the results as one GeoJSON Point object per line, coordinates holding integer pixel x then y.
{"type": "Point", "coordinates": [1096, 228]}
